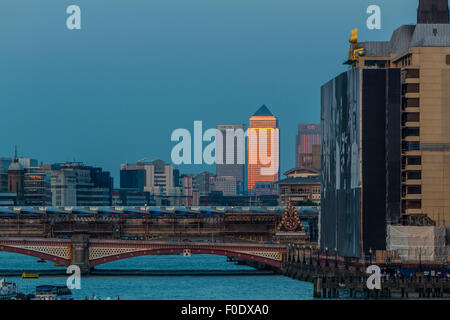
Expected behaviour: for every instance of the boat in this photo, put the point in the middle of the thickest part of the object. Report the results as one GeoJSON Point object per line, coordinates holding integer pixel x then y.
{"type": "Point", "coordinates": [58, 265]}
{"type": "Point", "coordinates": [51, 292]}
{"type": "Point", "coordinates": [41, 261]}
{"type": "Point", "coordinates": [30, 275]}
{"type": "Point", "coordinates": [8, 290]}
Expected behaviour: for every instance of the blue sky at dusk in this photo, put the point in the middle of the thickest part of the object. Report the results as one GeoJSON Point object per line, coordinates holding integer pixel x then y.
{"type": "Point", "coordinates": [114, 91]}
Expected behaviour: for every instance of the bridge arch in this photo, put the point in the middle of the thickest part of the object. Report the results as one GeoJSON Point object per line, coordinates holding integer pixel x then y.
{"type": "Point", "coordinates": [36, 253]}
{"type": "Point", "coordinates": [272, 259]}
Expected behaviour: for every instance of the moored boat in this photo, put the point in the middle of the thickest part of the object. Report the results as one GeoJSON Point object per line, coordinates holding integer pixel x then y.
{"type": "Point", "coordinates": [8, 290]}
{"type": "Point", "coordinates": [51, 292]}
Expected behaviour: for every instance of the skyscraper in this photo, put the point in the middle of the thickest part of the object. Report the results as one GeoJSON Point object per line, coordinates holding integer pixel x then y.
{"type": "Point", "coordinates": [262, 148]}
{"type": "Point", "coordinates": [307, 147]}
{"type": "Point", "coordinates": [228, 163]}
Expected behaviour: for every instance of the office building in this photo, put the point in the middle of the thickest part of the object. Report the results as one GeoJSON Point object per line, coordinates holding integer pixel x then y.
{"type": "Point", "coordinates": [386, 135]}
{"type": "Point", "coordinates": [37, 187]}
{"type": "Point", "coordinates": [156, 177]}
{"type": "Point", "coordinates": [230, 157]}
{"type": "Point", "coordinates": [74, 184]}
{"type": "Point", "coordinates": [262, 148]}
{"type": "Point", "coordinates": [4, 165]}
{"type": "Point", "coordinates": [307, 147]}
{"type": "Point", "coordinates": [224, 184]}
{"type": "Point", "coordinates": [28, 163]}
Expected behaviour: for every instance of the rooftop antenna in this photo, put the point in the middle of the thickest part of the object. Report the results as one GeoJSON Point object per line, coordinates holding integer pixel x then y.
{"type": "Point", "coordinates": [15, 154]}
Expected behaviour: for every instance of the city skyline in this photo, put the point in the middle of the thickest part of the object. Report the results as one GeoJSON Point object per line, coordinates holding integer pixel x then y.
{"type": "Point", "coordinates": [136, 101]}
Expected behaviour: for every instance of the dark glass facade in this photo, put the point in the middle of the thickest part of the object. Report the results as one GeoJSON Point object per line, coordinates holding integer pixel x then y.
{"type": "Point", "coordinates": [132, 179]}
{"type": "Point", "coordinates": [360, 117]}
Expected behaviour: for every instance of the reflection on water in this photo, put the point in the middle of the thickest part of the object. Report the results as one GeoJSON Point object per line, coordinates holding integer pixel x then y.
{"type": "Point", "coordinates": [165, 287]}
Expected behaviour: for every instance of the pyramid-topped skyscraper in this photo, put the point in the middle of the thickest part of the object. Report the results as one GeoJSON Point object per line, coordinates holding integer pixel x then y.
{"type": "Point", "coordinates": [263, 148]}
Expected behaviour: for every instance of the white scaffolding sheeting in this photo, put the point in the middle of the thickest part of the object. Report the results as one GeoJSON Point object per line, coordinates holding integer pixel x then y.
{"type": "Point", "coordinates": [415, 243]}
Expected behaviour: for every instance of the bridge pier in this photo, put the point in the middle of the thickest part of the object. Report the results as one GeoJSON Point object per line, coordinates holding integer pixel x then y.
{"type": "Point", "coordinates": [80, 252]}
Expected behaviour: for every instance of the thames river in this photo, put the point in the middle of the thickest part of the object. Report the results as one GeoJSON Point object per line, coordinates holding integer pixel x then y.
{"type": "Point", "coordinates": [264, 287]}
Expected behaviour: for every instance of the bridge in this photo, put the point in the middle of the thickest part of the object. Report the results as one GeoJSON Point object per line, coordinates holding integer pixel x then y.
{"type": "Point", "coordinates": [88, 237]}
{"type": "Point", "coordinates": [88, 253]}
{"type": "Point", "coordinates": [151, 223]}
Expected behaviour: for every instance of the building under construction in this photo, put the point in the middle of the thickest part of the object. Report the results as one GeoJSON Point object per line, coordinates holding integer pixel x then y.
{"type": "Point", "coordinates": [386, 136]}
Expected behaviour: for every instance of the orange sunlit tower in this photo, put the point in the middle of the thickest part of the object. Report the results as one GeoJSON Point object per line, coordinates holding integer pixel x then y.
{"type": "Point", "coordinates": [262, 148]}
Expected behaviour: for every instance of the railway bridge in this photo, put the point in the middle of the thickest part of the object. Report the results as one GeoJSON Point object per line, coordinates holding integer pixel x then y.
{"type": "Point", "coordinates": [88, 237]}
{"type": "Point", "coordinates": [88, 253]}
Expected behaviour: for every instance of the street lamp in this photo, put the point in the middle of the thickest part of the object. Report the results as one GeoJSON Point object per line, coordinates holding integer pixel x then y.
{"type": "Point", "coordinates": [304, 258]}
{"type": "Point", "coordinates": [370, 252]}
{"type": "Point", "coordinates": [310, 255]}
{"type": "Point", "coordinates": [335, 257]}
{"type": "Point", "coordinates": [326, 256]}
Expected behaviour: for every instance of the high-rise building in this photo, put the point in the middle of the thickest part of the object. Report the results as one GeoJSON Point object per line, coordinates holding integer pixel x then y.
{"type": "Point", "coordinates": [262, 148]}
{"type": "Point", "coordinates": [74, 184]}
{"type": "Point", "coordinates": [230, 155]}
{"type": "Point", "coordinates": [307, 147]}
{"type": "Point", "coordinates": [386, 135]}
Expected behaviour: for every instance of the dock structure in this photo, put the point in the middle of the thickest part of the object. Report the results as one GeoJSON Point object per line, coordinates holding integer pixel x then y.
{"type": "Point", "coordinates": [337, 277]}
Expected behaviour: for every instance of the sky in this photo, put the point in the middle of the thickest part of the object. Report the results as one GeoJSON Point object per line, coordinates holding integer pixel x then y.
{"type": "Point", "coordinates": [114, 91]}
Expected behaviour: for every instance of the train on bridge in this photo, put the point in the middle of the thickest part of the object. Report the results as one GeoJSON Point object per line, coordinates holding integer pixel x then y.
{"type": "Point", "coordinates": [130, 212]}
{"type": "Point", "coordinates": [147, 223]}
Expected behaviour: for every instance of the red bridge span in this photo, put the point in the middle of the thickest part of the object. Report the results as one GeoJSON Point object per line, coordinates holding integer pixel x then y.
{"type": "Point", "coordinates": [88, 253]}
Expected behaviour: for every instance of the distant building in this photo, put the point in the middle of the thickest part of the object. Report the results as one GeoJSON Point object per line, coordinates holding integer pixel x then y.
{"type": "Point", "coordinates": [301, 186]}
{"type": "Point", "coordinates": [262, 143]}
{"type": "Point", "coordinates": [16, 178]}
{"type": "Point", "coordinates": [8, 199]}
{"type": "Point", "coordinates": [263, 188]}
{"type": "Point", "coordinates": [156, 177]}
{"type": "Point", "coordinates": [4, 165]}
{"type": "Point", "coordinates": [227, 185]}
{"type": "Point", "coordinates": [202, 182]}
{"type": "Point", "coordinates": [216, 198]}
{"type": "Point", "coordinates": [28, 163]}
{"type": "Point", "coordinates": [307, 147]}
{"type": "Point", "coordinates": [37, 187]}
{"type": "Point", "coordinates": [196, 185]}
{"type": "Point", "coordinates": [131, 198]}
{"type": "Point", "coordinates": [227, 162]}
{"type": "Point", "coordinates": [74, 184]}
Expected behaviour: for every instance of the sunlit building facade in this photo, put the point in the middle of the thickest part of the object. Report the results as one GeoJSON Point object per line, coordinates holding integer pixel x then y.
{"type": "Point", "coordinates": [262, 148]}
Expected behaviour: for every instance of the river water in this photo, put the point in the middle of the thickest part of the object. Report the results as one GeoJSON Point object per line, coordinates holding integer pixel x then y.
{"type": "Point", "coordinates": [165, 287]}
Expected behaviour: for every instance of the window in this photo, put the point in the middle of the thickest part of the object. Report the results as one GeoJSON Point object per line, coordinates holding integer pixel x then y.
{"type": "Point", "coordinates": [415, 175]}
{"type": "Point", "coordinates": [447, 60]}
{"type": "Point", "coordinates": [412, 132]}
{"type": "Point", "coordinates": [413, 117]}
{"type": "Point", "coordinates": [413, 204]}
{"type": "Point", "coordinates": [412, 73]}
{"type": "Point", "coordinates": [412, 88]}
{"type": "Point", "coordinates": [414, 190]}
{"type": "Point", "coordinates": [412, 103]}
{"type": "Point", "coordinates": [414, 161]}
